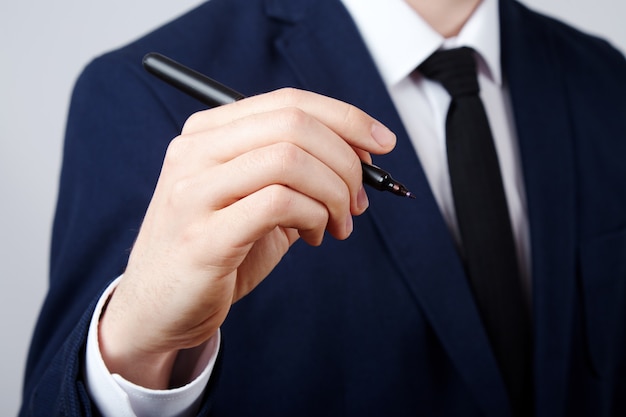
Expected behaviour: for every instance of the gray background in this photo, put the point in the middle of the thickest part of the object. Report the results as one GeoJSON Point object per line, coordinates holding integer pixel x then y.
{"type": "Point", "coordinates": [44, 45]}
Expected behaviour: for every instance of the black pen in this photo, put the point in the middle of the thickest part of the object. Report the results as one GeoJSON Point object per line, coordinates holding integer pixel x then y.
{"type": "Point", "coordinates": [213, 94]}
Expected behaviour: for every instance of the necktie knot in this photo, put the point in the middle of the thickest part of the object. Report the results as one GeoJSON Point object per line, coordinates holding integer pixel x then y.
{"type": "Point", "coordinates": [454, 69]}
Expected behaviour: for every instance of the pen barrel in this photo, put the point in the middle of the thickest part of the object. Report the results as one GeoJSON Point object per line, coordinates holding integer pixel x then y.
{"type": "Point", "coordinates": [376, 177]}
{"type": "Point", "coordinates": [213, 94]}
{"type": "Point", "coordinates": [197, 85]}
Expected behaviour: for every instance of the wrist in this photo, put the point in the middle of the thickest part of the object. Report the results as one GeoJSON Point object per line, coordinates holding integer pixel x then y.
{"type": "Point", "coordinates": [122, 353]}
{"type": "Point", "coordinates": [149, 370]}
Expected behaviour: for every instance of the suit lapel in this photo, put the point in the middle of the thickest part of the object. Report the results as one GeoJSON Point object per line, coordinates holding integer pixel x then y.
{"type": "Point", "coordinates": [327, 55]}
{"type": "Point", "coordinates": [538, 97]}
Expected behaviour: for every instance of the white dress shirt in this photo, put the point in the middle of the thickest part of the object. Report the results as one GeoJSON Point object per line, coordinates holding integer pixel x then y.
{"type": "Point", "coordinates": [399, 40]}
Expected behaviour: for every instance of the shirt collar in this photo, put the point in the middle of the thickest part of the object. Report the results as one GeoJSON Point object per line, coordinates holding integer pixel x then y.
{"type": "Point", "coordinates": [399, 39]}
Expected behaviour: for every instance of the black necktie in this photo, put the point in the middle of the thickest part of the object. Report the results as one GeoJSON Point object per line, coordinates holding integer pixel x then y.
{"type": "Point", "coordinates": [488, 248]}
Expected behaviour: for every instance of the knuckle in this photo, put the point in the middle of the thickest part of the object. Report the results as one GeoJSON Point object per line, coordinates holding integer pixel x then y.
{"type": "Point", "coordinates": [292, 119]}
{"type": "Point", "coordinates": [356, 169]}
{"type": "Point", "coordinates": [352, 118]}
{"type": "Point", "coordinates": [341, 196]}
{"type": "Point", "coordinates": [354, 163]}
{"type": "Point", "coordinates": [338, 205]}
{"type": "Point", "coordinates": [287, 155]}
{"type": "Point", "coordinates": [180, 189]}
{"type": "Point", "coordinates": [278, 200]}
{"type": "Point", "coordinates": [176, 152]}
{"type": "Point", "coordinates": [289, 96]}
{"type": "Point", "coordinates": [193, 122]}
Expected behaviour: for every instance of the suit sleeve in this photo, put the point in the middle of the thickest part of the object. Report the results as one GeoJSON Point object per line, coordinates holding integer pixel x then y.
{"type": "Point", "coordinates": [117, 132]}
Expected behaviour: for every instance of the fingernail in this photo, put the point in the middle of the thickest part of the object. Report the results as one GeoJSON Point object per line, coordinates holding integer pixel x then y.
{"type": "Point", "coordinates": [349, 224]}
{"type": "Point", "coordinates": [362, 201]}
{"type": "Point", "coordinates": [382, 135]}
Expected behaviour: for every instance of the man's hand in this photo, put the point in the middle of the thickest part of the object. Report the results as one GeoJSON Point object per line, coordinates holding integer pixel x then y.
{"type": "Point", "coordinates": [240, 185]}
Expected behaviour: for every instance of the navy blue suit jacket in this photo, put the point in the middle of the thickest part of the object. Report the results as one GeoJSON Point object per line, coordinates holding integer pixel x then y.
{"type": "Point", "coordinates": [384, 323]}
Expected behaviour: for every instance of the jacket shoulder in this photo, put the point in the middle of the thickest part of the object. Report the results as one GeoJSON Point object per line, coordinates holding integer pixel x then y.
{"type": "Point", "coordinates": [577, 49]}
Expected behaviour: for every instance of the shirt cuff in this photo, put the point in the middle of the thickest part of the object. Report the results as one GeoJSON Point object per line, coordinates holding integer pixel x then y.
{"type": "Point", "coordinates": [115, 396]}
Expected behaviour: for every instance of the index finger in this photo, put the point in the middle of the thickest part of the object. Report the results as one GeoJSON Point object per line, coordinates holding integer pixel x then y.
{"type": "Point", "coordinates": [356, 127]}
